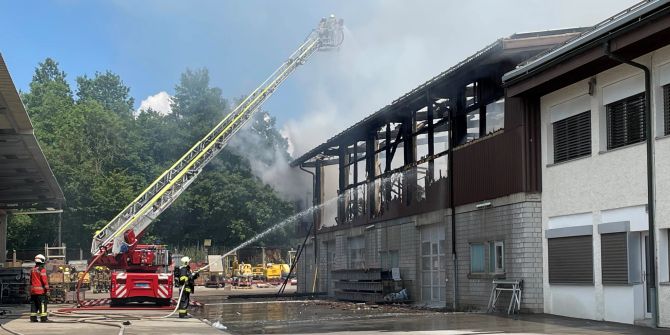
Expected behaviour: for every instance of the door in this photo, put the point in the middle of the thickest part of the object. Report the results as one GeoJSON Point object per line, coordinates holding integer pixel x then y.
{"type": "Point", "coordinates": [646, 264]}
{"type": "Point", "coordinates": [330, 252]}
{"type": "Point", "coordinates": [433, 285]}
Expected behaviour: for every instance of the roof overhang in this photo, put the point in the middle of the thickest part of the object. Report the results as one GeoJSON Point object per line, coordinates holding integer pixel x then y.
{"type": "Point", "coordinates": [26, 180]}
{"type": "Point", "coordinates": [631, 33]}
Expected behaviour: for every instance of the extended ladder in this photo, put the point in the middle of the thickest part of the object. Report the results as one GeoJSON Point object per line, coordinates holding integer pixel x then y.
{"type": "Point", "coordinates": [171, 183]}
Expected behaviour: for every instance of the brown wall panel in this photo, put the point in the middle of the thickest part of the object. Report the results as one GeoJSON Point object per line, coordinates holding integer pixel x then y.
{"type": "Point", "coordinates": [489, 168]}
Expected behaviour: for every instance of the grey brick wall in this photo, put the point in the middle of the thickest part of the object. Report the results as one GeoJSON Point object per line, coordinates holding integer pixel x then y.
{"type": "Point", "coordinates": [519, 225]}
{"type": "Point", "coordinates": [517, 222]}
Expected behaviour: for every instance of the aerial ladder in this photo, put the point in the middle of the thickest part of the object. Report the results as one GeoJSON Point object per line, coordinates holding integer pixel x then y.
{"type": "Point", "coordinates": [141, 270]}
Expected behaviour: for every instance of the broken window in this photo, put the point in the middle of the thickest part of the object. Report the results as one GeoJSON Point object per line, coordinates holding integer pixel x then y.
{"type": "Point", "coordinates": [471, 94]}
{"type": "Point", "coordinates": [495, 116]}
{"type": "Point", "coordinates": [472, 120]}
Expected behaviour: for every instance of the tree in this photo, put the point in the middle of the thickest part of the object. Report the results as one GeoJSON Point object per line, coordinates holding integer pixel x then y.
{"type": "Point", "coordinates": [196, 106]}
{"type": "Point", "coordinates": [50, 96]}
{"type": "Point", "coordinates": [108, 90]}
{"type": "Point", "coordinates": [103, 156]}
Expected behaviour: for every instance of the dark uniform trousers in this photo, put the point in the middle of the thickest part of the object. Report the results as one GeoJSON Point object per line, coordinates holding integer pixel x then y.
{"type": "Point", "coordinates": [186, 280]}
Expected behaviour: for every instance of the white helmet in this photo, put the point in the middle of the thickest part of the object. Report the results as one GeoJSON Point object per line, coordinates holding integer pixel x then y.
{"type": "Point", "coordinates": [40, 259]}
{"type": "Point", "coordinates": [185, 260]}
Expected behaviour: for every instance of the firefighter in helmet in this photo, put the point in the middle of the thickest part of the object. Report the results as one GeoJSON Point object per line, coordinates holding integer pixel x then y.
{"type": "Point", "coordinates": [186, 282]}
{"type": "Point", "coordinates": [39, 288]}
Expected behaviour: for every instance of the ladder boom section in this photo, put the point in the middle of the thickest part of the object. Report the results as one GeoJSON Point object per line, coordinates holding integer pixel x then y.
{"type": "Point", "coordinates": [160, 194]}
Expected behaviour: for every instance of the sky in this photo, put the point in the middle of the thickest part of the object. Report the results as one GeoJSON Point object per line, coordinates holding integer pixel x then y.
{"type": "Point", "coordinates": [390, 47]}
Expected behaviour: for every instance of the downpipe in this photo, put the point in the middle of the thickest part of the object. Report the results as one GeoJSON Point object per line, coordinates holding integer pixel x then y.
{"type": "Point", "coordinates": [651, 280]}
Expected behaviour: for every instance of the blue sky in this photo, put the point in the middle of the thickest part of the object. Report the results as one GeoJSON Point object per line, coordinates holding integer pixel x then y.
{"type": "Point", "coordinates": [391, 47]}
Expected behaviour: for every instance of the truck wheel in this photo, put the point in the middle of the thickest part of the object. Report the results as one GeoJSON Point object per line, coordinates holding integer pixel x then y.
{"type": "Point", "coordinates": [116, 302]}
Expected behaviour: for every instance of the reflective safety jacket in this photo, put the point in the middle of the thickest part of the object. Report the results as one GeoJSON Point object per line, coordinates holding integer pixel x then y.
{"type": "Point", "coordinates": [186, 277]}
{"type": "Point", "coordinates": [39, 282]}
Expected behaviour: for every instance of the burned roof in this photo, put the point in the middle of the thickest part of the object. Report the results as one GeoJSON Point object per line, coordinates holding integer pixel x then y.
{"type": "Point", "coordinates": [512, 49]}
{"type": "Point", "coordinates": [26, 180]}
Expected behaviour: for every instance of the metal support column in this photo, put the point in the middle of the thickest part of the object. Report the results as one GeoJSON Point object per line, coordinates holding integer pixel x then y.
{"type": "Point", "coordinates": [431, 138]}
{"type": "Point", "coordinates": [343, 182]}
{"type": "Point", "coordinates": [452, 206]}
{"type": "Point", "coordinates": [355, 190]}
{"type": "Point", "coordinates": [387, 181]}
{"type": "Point", "coordinates": [318, 193]}
{"type": "Point", "coordinates": [370, 168]}
{"type": "Point", "coordinates": [409, 151]}
{"type": "Point", "coordinates": [3, 237]}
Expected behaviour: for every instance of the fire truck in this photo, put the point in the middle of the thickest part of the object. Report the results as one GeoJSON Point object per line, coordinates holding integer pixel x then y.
{"type": "Point", "coordinates": [139, 271]}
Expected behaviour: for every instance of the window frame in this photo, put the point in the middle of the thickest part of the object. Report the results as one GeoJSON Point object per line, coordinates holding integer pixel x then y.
{"type": "Point", "coordinates": [356, 256]}
{"type": "Point", "coordinates": [627, 122]}
{"type": "Point", "coordinates": [490, 127]}
{"type": "Point", "coordinates": [499, 256]}
{"type": "Point", "coordinates": [559, 266]}
{"type": "Point", "coordinates": [565, 132]}
{"type": "Point", "coordinates": [611, 265]}
{"type": "Point", "coordinates": [483, 259]}
{"type": "Point", "coordinates": [666, 109]}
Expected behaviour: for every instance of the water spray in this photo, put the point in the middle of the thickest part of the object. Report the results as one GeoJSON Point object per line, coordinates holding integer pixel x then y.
{"type": "Point", "coordinates": [286, 221]}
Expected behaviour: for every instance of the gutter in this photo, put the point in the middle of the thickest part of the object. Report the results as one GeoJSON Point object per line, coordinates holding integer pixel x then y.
{"type": "Point", "coordinates": [608, 27]}
{"type": "Point", "coordinates": [651, 259]}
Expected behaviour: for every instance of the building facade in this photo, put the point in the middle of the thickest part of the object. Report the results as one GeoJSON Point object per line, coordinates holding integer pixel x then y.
{"type": "Point", "coordinates": [598, 247]}
{"type": "Point", "coordinates": [440, 188]}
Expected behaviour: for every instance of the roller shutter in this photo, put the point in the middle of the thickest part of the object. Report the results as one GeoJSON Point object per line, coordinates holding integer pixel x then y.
{"type": "Point", "coordinates": [626, 122]}
{"type": "Point", "coordinates": [614, 258]}
{"type": "Point", "coordinates": [572, 137]}
{"type": "Point", "coordinates": [571, 260]}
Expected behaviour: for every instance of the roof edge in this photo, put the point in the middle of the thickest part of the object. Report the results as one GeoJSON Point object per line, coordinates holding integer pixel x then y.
{"type": "Point", "coordinates": [599, 30]}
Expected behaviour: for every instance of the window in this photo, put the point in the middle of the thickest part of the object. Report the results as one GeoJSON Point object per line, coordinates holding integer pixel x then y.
{"type": "Point", "coordinates": [472, 123]}
{"type": "Point", "coordinates": [571, 260]}
{"type": "Point", "coordinates": [356, 252]}
{"type": "Point", "coordinates": [666, 109]}
{"type": "Point", "coordinates": [572, 137]}
{"type": "Point", "coordinates": [495, 116]}
{"type": "Point", "coordinates": [389, 259]}
{"type": "Point", "coordinates": [499, 257]}
{"type": "Point", "coordinates": [614, 258]}
{"type": "Point", "coordinates": [477, 260]}
{"type": "Point", "coordinates": [496, 257]}
{"type": "Point", "coordinates": [471, 94]}
{"type": "Point", "coordinates": [625, 121]}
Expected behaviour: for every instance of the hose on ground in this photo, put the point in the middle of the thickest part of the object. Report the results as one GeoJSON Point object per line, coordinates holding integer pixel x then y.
{"type": "Point", "coordinates": [9, 330]}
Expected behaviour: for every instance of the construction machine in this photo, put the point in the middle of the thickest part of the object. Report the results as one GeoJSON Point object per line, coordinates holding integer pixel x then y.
{"type": "Point", "coordinates": [141, 272]}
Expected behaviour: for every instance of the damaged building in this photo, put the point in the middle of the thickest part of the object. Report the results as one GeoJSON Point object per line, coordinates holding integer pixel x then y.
{"type": "Point", "coordinates": [440, 189]}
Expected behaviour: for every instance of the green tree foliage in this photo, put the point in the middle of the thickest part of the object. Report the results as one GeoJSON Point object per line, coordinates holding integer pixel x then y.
{"type": "Point", "coordinates": [108, 90]}
{"type": "Point", "coordinates": [103, 155]}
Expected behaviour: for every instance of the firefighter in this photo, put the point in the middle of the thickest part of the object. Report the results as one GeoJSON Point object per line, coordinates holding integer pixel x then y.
{"type": "Point", "coordinates": [186, 281]}
{"type": "Point", "coordinates": [39, 288]}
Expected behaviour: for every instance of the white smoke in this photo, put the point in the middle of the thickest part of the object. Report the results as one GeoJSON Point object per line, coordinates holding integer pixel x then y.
{"type": "Point", "coordinates": [271, 163]}
{"type": "Point", "coordinates": [392, 47]}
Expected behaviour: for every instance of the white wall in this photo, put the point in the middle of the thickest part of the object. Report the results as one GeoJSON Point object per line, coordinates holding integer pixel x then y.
{"type": "Point", "coordinates": [608, 186]}
{"type": "Point", "coordinates": [573, 301]}
{"type": "Point", "coordinates": [618, 303]}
